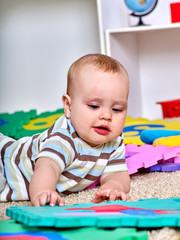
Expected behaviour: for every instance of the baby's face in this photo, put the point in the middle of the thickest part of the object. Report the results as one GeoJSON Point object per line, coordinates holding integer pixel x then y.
{"type": "Point", "coordinates": [99, 105]}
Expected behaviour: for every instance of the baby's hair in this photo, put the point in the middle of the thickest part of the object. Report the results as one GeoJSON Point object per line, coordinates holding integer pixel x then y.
{"type": "Point", "coordinates": [100, 61]}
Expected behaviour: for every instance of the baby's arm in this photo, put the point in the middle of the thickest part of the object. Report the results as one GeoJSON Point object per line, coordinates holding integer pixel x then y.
{"type": "Point", "coordinates": [114, 186]}
{"type": "Point", "coordinates": [43, 183]}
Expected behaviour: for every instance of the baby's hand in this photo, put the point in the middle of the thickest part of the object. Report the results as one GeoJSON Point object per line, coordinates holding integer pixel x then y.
{"type": "Point", "coordinates": [52, 198]}
{"type": "Point", "coordinates": [109, 192]}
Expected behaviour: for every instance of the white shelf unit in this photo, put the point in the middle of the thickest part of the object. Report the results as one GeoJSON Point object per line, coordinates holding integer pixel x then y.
{"type": "Point", "coordinates": [151, 55]}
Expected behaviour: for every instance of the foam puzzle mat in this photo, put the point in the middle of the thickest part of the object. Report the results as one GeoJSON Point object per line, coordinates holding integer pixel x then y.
{"type": "Point", "coordinates": [145, 213]}
{"type": "Point", "coordinates": [12, 229]}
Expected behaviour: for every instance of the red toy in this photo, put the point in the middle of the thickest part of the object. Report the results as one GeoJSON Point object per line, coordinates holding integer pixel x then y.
{"type": "Point", "coordinates": [175, 12]}
{"type": "Point", "coordinates": [170, 108]}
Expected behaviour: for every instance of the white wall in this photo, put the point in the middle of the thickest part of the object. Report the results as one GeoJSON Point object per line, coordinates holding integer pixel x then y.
{"type": "Point", "coordinates": [39, 39]}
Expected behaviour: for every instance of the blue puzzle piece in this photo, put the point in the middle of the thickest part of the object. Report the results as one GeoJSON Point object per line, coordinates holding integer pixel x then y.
{"type": "Point", "coordinates": [141, 212]}
{"type": "Point", "coordinates": [139, 128]}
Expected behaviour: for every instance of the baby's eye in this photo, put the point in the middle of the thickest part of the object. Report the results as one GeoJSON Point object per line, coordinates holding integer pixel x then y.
{"type": "Point", "coordinates": [117, 110]}
{"type": "Point", "coordinates": [93, 106]}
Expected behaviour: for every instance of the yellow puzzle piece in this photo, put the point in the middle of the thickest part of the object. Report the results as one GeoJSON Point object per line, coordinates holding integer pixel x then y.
{"type": "Point", "coordinates": [134, 127]}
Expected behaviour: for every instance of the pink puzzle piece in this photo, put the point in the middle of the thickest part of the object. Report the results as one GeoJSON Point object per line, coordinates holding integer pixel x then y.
{"type": "Point", "coordinates": [145, 156]}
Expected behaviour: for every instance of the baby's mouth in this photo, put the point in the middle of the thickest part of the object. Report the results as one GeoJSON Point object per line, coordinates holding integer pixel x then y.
{"type": "Point", "coordinates": [103, 130]}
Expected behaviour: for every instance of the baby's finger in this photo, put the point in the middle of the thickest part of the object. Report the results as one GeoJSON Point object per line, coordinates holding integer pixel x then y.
{"type": "Point", "coordinates": [122, 196]}
{"type": "Point", "coordinates": [53, 199]}
{"type": "Point", "coordinates": [36, 203]}
{"type": "Point", "coordinates": [97, 199]}
{"type": "Point", "coordinates": [113, 196]}
{"type": "Point", "coordinates": [103, 193]}
{"type": "Point", "coordinates": [61, 202]}
{"type": "Point", "coordinates": [44, 199]}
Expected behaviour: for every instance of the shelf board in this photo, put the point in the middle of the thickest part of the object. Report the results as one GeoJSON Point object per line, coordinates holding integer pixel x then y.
{"type": "Point", "coordinates": [143, 28]}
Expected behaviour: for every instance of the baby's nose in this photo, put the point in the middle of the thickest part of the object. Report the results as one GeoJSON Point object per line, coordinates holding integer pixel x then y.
{"type": "Point", "coordinates": [106, 115]}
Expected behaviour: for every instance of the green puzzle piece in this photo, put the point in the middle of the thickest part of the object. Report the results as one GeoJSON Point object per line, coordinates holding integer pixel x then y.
{"type": "Point", "coordinates": [40, 123]}
{"type": "Point", "coordinates": [10, 226]}
{"type": "Point", "coordinates": [22, 124]}
{"type": "Point", "coordinates": [12, 124]}
{"type": "Point", "coordinates": [146, 213]}
{"type": "Point", "coordinates": [105, 234]}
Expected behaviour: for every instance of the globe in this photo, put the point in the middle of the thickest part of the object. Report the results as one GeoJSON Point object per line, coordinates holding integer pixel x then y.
{"type": "Point", "coordinates": [141, 8]}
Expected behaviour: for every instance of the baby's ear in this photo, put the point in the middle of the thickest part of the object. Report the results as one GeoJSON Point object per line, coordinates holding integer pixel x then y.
{"type": "Point", "coordinates": [67, 105]}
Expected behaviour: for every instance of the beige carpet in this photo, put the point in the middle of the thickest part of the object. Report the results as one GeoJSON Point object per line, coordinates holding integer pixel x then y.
{"type": "Point", "coordinates": [143, 185]}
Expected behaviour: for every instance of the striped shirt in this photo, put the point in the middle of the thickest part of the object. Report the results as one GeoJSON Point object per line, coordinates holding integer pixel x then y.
{"type": "Point", "coordinates": [80, 164]}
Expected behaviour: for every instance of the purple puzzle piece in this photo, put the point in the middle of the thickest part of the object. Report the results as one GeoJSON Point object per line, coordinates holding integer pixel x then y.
{"type": "Point", "coordinates": [164, 167]}
{"type": "Point", "coordinates": [146, 156]}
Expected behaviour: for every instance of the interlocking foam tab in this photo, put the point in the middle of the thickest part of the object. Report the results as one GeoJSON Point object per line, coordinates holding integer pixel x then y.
{"type": "Point", "coordinates": [12, 124]}
{"type": "Point", "coordinates": [134, 127]}
{"type": "Point", "coordinates": [146, 156]}
{"type": "Point", "coordinates": [145, 213]}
